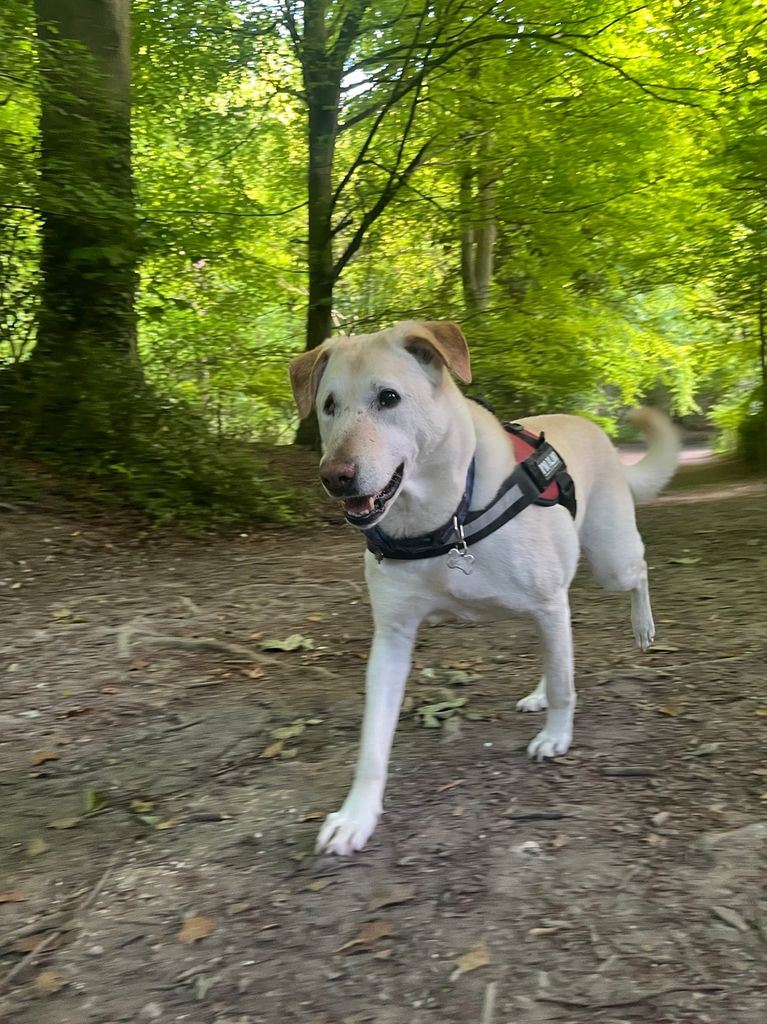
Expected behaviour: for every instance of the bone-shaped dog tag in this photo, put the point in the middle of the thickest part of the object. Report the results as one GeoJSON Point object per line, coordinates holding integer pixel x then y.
{"type": "Point", "coordinates": [460, 560]}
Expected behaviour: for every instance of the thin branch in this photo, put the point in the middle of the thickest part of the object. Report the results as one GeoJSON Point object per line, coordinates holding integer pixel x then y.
{"type": "Point", "coordinates": [385, 108]}
{"type": "Point", "coordinates": [378, 208]}
{"type": "Point", "coordinates": [188, 212]}
{"type": "Point", "coordinates": [648, 996]}
{"type": "Point", "coordinates": [348, 32]}
{"type": "Point", "coordinates": [600, 202]}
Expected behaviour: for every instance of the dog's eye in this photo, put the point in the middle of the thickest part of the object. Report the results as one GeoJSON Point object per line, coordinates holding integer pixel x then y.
{"type": "Point", "coordinates": [387, 398]}
{"type": "Point", "coordinates": [329, 408]}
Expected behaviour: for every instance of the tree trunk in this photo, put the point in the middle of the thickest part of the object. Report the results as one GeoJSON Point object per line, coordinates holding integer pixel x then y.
{"type": "Point", "coordinates": [86, 325]}
{"type": "Point", "coordinates": [486, 231]}
{"type": "Point", "coordinates": [468, 280]}
{"type": "Point", "coordinates": [478, 231]}
{"type": "Point", "coordinates": [322, 83]}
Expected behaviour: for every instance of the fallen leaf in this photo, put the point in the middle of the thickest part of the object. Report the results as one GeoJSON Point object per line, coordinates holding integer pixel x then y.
{"type": "Point", "coordinates": [384, 954]}
{"type": "Point", "coordinates": [142, 806]}
{"type": "Point", "coordinates": [705, 749]}
{"type": "Point", "coordinates": [730, 917]}
{"type": "Point", "coordinates": [668, 709]}
{"type": "Point", "coordinates": [761, 712]}
{"type": "Point", "coordinates": [37, 846]}
{"type": "Point", "coordinates": [432, 715]}
{"type": "Point", "coordinates": [273, 749]}
{"type": "Point", "coordinates": [476, 957]}
{"type": "Point", "coordinates": [462, 678]}
{"type": "Point", "coordinates": [94, 801]}
{"type": "Point", "coordinates": [314, 618]}
{"type": "Point", "coordinates": [318, 884]}
{"type": "Point", "coordinates": [49, 982]}
{"type": "Point", "coordinates": [62, 823]}
{"type": "Point", "coordinates": [195, 928]}
{"type": "Point", "coordinates": [451, 785]}
{"type": "Point", "coordinates": [559, 841]}
{"type": "Point", "coordinates": [61, 613]}
{"type": "Point", "coordinates": [203, 983]}
{"type": "Point", "coordinates": [161, 826]}
{"type": "Point", "coordinates": [295, 642]}
{"type": "Point", "coordinates": [45, 755]}
{"type": "Point", "coordinates": [655, 840]}
{"type": "Point", "coordinates": [397, 894]}
{"type": "Point", "coordinates": [370, 933]}
{"type": "Point", "coordinates": [287, 732]}
{"type": "Point", "coordinates": [13, 896]}
{"type": "Point", "coordinates": [255, 673]}
{"type": "Point", "coordinates": [109, 689]}
{"type": "Point", "coordinates": [313, 816]}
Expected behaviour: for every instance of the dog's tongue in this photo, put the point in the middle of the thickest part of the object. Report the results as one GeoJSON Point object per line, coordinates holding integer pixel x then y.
{"type": "Point", "coordinates": [359, 506]}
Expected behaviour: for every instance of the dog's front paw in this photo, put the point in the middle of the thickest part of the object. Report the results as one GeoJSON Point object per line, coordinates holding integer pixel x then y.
{"type": "Point", "coordinates": [644, 634]}
{"type": "Point", "coordinates": [347, 830]}
{"type": "Point", "coordinates": [549, 743]}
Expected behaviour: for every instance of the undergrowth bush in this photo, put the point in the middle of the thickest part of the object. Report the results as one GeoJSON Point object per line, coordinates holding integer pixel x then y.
{"type": "Point", "coordinates": [752, 439]}
{"type": "Point", "coordinates": [127, 445]}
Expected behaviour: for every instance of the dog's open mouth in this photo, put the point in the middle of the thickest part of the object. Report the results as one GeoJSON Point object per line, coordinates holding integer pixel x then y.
{"type": "Point", "coordinates": [365, 510]}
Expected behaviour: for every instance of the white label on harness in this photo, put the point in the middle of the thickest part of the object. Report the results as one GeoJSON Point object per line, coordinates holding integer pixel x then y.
{"type": "Point", "coordinates": [549, 464]}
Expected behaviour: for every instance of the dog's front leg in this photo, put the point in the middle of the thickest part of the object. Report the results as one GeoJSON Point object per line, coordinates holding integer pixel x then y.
{"type": "Point", "coordinates": [388, 667]}
{"type": "Point", "coordinates": [553, 621]}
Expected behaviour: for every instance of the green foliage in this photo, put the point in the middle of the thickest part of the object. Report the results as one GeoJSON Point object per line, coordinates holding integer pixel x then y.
{"type": "Point", "coordinates": [624, 150]}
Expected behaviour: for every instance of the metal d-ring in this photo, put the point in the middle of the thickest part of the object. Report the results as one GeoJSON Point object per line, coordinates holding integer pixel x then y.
{"type": "Point", "coordinates": [461, 545]}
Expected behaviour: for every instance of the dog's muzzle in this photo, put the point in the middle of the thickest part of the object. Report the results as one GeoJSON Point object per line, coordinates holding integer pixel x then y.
{"type": "Point", "coordinates": [366, 509]}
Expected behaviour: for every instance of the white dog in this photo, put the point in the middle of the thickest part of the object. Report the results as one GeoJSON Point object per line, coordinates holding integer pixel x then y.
{"type": "Point", "coordinates": [400, 442]}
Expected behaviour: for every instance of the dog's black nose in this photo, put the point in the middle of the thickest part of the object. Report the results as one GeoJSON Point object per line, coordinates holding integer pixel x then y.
{"type": "Point", "coordinates": [339, 478]}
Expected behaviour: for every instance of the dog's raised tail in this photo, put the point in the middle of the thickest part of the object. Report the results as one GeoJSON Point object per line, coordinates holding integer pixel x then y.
{"type": "Point", "coordinates": [649, 476]}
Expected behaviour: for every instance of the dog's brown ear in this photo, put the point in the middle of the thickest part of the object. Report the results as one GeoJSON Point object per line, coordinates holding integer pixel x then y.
{"type": "Point", "coordinates": [305, 373]}
{"type": "Point", "coordinates": [448, 340]}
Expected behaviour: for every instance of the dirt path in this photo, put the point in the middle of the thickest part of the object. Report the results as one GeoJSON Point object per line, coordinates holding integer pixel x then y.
{"type": "Point", "coordinates": [141, 786]}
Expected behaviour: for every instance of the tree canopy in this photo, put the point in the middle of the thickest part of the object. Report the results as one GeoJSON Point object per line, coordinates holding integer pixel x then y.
{"type": "Point", "coordinates": [581, 185]}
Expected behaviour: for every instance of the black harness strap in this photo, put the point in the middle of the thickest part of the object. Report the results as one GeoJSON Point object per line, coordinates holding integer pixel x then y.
{"type": "Point", "coordinates": [525, 486]}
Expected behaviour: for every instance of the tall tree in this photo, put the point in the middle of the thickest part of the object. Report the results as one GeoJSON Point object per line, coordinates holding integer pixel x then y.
{"type": "Point", "coordinates": [86, 325]}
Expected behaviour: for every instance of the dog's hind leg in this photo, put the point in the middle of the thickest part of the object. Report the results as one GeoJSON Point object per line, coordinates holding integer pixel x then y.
{"type": "Point", "coordinates": [612, 543]}
{"type": "Point", "coordinates": [553, 621]}
{"type": "Point", "coordinates": [388, 667]}
{"type": "Point", "coordinates": [535, 701]}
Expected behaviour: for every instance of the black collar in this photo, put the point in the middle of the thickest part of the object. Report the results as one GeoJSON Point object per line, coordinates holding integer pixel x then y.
{"type": "Point", "coordinates": [523, 487]}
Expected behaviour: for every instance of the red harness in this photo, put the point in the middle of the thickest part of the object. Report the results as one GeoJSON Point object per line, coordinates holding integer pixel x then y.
{"type": "Point", "coordinates": [523, 441]}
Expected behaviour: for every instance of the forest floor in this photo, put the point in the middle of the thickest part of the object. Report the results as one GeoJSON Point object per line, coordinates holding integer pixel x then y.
{"type": "Point", "coordinates": [156, 846]}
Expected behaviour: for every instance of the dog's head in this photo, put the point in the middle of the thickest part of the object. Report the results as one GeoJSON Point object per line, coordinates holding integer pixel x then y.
{"type": "Point", "coordinates": [379, 403]}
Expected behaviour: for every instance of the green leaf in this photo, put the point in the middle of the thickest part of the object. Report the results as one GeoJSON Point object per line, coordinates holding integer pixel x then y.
{"type": "Point", "coordinates": [94, 801]}
{"type": "Point", "coordinates": [432, 715]}
{"type": "Point", "coordinates": [295, 642]}
{"type": "Point", "coordinates": [287, 732]}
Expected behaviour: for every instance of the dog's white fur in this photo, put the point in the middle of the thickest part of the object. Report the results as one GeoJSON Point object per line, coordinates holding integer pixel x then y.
{"type": "Point", "coordinates": [525, 566]}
